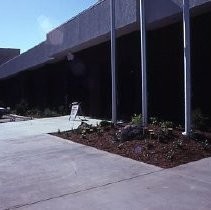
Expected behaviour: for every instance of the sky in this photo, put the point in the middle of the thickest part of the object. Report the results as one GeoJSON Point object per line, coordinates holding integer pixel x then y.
{"type": "Point", "coordinates": [25, 23]}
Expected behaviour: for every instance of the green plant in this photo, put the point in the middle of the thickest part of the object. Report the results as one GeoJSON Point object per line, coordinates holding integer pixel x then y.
{"type": "Point", "coordinates": [199, 120]}
{"type": "Point", "coordinates": [166, 127]}
{"type": "Point", "coordinates": [166, 124]}
{"type": "Point", "coordinates": [154, 121]}
{"type": "Point", "coordinates": [85, 128]}
{"type": "Point", "coordinates": [179, 143]}
{"type": "Point", "coordinates": [105, 123]}
{"type": "Point", "coordinates": [136, 119]}
{"type": "Point", "coordinates": [2, 104]}
{"type": "Point", "coordinates": [50, 113]}
{"type": "Point", "coordinates": [164, 131]}
{"type": "Point", "coordinates": [22, 107]}
{"type": "Point", "coordinates": [170, 154]}
{"type": "Point", "coordinates": [61, 109]}
{"type": "Point", "coordinates": [34, 113]}
{"type": "Point", "coordinates": [206, 144]}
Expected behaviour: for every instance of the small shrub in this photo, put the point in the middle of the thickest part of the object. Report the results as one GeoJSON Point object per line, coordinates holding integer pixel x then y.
{"type": "Point", "coordinates": [199, 120]}
{"type": "Point", "coordinates": [166, 124]}
{"type": "Point", "coordinates": [165, 128]}
{"type": "Point", "coordinates": [170, 154]}
{"type": "Point", "coordinates": [105, 123]}
{"type": "Point", "coordinates": [50, 113]}
{"type": "Point", "coordinates": [61, 110]}
{"type": "Point", "coordinates": [136, 119]}
{"type": "Point", "coordinates": [179, 143]}
{"type": "Point", "coordinates": [85, 128]}
{"type": "Point", "coordinates": [206, 144]}
{"type": "Point", "coordinates": [154, 121]}
{"type": "Point", "coordinates": [34, 113]}
{"type": "Point", "coordinates": [22, 107]}
{"type": "Point", "coordinates": [2, 104]}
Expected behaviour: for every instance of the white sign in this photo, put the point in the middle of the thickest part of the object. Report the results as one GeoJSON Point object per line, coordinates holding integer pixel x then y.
{"type": "Point", "coordinates": [74, 111]}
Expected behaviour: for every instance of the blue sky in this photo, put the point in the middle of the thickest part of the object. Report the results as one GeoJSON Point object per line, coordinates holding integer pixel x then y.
{"type": "Point", "coordinates": [24, 23]}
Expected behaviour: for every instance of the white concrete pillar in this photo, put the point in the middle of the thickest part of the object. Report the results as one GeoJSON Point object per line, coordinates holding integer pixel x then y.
{"type": "Point", "coordinates": [187, 66]}
{"type": "Point", "coordinates": [113, 61]}
{"type": "Point", "coordinates": [143, 63]}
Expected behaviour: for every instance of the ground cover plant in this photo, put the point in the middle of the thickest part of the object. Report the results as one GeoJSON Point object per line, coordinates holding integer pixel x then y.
{"type": "Point", "coordinates": [23, 109]}
{"type": "Point", "coordinates": [161, 143]}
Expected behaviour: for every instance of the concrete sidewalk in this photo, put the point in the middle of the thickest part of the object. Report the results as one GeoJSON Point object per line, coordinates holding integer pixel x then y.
{"type": "Point", "coordinates": [158, 190]}
{"type": "Point", "coordinates": [45, 172]}
{"type": "Point", "coordinates": [39, 126]}
{"type": "Point", "coordinates": [43, 167]}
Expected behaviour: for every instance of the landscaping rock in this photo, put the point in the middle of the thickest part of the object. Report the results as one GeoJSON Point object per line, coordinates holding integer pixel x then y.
{"type": "Point", "coordinates": [129, 132]}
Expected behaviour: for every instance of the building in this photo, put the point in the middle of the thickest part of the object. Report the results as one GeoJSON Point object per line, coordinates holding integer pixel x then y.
{"type": "Point", "coordinates": [8, 54]}
{"type": "Point", "coordinates": [73, 63]}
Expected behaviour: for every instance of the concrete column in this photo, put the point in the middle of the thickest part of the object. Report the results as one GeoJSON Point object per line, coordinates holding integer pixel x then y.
{"type": "Point", "coordinates": [113, 61]}
{"type": "Point", "coordinates": [187, 66]}
{"type": "Point", "coordinates": [143, 62]}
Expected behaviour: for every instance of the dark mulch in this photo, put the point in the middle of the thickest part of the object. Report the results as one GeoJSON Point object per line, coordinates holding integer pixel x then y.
{"type": "Point", "coordinates": [165, 153]}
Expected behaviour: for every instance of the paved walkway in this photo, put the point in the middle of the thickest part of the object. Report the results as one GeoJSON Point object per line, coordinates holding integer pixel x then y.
{"type": "Point", "coordinates": [45, 172]}
{"type": "Point", "coordinates": [39, 126]}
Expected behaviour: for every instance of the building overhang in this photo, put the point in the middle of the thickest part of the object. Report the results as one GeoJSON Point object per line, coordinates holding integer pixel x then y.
{"type": "Point", "coordinates": [92, 27]}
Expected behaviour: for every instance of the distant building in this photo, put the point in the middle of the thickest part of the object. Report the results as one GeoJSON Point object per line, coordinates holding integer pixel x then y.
{"type": "Point", "coordinates": [73, 63]}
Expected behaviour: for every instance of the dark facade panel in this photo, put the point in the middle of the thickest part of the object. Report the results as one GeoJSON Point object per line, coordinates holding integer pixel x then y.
{"type": "Point", "coordinates": [88, 77]}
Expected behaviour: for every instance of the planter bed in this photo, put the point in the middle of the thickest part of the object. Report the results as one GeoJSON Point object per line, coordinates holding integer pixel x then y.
{"type": "Point", "coordinates": [168, 152]}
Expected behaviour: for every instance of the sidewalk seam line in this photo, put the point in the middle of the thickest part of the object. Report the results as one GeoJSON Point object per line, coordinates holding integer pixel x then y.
{"type": "Point", "coordinates": [84, 190]}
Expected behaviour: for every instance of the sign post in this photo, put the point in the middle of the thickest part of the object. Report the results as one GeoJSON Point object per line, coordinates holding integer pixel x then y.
{"type": "Point", "coordinates": [74, 110]}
